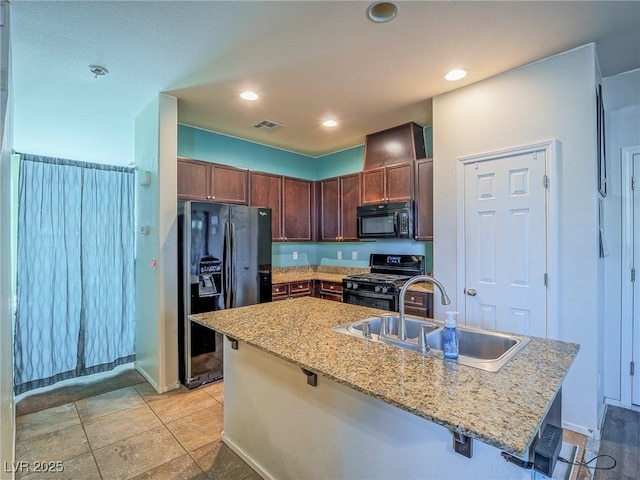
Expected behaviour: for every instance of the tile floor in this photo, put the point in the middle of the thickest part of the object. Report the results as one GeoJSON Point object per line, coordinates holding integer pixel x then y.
{"type": "Point", "coordinates": [129, 432]}
{"type": "Point", "coordinates": [119, 428]}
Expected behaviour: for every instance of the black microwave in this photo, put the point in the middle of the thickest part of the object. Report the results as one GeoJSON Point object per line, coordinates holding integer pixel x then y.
{"type": "Point", "coordinates": [385, 220]}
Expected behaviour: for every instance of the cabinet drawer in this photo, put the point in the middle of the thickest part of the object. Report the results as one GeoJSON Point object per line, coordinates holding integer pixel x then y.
{"type": "Point", "coordinates": [279, 290]}
{"type": "Point", "coordinates": [335, 297]}
{"type": "Point", "coordinates": [299, 288]}
{"type": "Point", "coordinates": [416, 299]}
{"type": "Point", "coordinates": [331, 287]}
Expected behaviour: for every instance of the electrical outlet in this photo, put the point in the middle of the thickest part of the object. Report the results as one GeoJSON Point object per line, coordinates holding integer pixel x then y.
{"type": "Point", "coordinates": [295, 255]}
{"type": "Point", "coordinates": [354, 255]}
{"type": "Point", "coordinates": [339, 255]}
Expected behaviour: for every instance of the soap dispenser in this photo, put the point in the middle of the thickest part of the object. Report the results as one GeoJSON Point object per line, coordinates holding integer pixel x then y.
{"type": "Point", "coordinates": [450, 342]}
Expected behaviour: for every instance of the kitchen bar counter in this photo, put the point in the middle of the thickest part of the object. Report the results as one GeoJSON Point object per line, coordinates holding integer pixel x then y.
{"type": "Point", "coordinates": [503, 409]}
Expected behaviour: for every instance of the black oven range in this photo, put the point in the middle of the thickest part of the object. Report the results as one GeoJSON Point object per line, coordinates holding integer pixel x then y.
{"type": "Point", "coordinates": [381, 288]}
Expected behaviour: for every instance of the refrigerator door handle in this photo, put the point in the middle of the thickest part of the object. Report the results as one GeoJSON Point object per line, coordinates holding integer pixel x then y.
{"type": "Point", "coordinates": [234, 279]}
{"type": "Point", "coordinates": [227, 265]}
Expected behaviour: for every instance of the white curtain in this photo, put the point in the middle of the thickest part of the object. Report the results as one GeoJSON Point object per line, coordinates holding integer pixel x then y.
{"type": "Point", "coordinates": [75, 275]}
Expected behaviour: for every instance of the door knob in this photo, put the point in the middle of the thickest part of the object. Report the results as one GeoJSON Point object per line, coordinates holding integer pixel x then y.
{"type": "Point", "coordinates": [471, 292]}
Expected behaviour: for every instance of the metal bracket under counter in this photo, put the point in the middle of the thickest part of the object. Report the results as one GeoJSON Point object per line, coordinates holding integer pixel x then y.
{"type": "Point", "coordinates": [234, 342]}
{"type": "Point", "coordinates": [312, 378]}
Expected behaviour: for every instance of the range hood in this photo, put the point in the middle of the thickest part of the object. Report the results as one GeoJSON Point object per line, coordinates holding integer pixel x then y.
{"type": "Point", "coordinates": [404, 143]}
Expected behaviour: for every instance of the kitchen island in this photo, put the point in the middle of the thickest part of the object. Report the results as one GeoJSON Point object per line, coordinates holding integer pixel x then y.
{"type": "Point", "coordinates": [377, 411]}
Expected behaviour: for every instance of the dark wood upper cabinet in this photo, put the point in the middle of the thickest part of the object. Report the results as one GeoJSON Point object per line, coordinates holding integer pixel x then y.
{"type": "Point", "coordinates": [206, 181]}
{"type": "Point", "coordinates": [424, 199]}
{"type": "Point", "coordinates": [330, 209]}
{"type": "Point", "coordinates": [393, 183]}
{"type": "Point", "coordinates": [193, 180]}
{"type": "Point", "coordinates": [229, 184]}
{"type": "Point", "coordinates": [297, 209]}
{"type": "Point", "coordinates": [339, 198]}
{"type": "Point", "coordinates": [351, 198]}
{"type": "Point", "coordinates": [401, 144]}
{"type": "Point", "coordinates": [266, 191]}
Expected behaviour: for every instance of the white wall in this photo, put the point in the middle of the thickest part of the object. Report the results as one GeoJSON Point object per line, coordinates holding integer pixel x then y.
{"type": "Point", "coordinates": [622, 103]}
{"type": "Point", "coordinates": [156, 286]}
{"type": "Point", "coordinates": [7, 404]}
{"type": "Point", "coordinates": [550, 99]}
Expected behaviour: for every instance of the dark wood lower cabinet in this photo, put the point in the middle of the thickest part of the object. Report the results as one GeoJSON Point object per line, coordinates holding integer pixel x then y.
{"type": "Point", "coordinates": [330, 291]}
{"type": "Point", "coordinates": [283, 291]}
{"type": "Point", "coordinates": [419, 303]}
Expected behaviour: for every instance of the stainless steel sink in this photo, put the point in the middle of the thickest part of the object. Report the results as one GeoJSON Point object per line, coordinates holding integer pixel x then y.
{"type": "Point", "coordinates": [481, 349]}
{"type": "Point", "coordinates": [413, 326]}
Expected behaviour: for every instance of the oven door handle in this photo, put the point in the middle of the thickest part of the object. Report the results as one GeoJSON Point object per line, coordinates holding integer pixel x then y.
{"type": "Point", "coordinates": [360, 293]}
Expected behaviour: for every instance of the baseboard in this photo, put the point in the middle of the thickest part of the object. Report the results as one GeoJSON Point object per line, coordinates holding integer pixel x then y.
{"type": "Point", "coordinates": [247, 459]}
{"type": "Point", "coordinates": [153, 383]}
{"type": "Point", "coordinates": [581, 429]}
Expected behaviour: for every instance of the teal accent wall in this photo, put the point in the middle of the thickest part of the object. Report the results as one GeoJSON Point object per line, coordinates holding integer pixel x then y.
{"type": "Point", "coordinates": [340, 163]}
{"type": "Point", "coordinates": [217, 148]}
{"type": "Point", "coordinates": [282, 254]}
{"type": "Point", "coordinates": [326, 253]}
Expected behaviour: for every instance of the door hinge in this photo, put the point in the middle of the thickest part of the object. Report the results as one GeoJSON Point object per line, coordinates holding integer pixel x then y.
{"type": "Point", "coordinates": [546, 279]}
{"type": "Point", "coordinates": [633, 274]}
{"type": "Point", "coordinates": [545, 181]}
{"type": "Point", "coordinates": [633, 182]}
{"type": "Point", "coordinates": [632, 368]}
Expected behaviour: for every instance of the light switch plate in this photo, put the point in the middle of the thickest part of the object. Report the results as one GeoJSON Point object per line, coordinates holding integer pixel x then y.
{"type": "Point", "coordinates": [354, 255]}
{"type": "Point", "coordinates": [339, 255]}
{"type": "Point", "coordinates": [295, 255]}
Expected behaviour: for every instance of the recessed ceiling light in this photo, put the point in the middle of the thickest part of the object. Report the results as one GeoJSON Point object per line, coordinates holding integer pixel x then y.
{"type": "Point", "coordinates": [456, 74]}
{"type": "Point", "coordinates": [249, 95]}
{"type": "Point", "coordinates": [381, 12]}
{"type": "Point", "coordinates": [330, 123]}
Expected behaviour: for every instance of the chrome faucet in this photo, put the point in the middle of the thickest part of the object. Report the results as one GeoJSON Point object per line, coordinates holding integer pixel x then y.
{"type": "Point", "coordinates": [444, 298]}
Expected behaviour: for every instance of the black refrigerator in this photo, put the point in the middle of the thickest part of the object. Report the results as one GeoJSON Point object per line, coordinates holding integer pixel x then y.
{"type": "Point", "coordinates": [224, 261]}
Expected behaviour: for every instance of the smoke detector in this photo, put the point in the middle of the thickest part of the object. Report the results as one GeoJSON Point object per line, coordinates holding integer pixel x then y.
{"type": "Point", "coordinates": [98, 71]}
{"type": "Point", "coordinates": [268, 125]}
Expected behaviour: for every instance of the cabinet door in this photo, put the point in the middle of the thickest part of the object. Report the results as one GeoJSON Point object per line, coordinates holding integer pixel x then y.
{"type": "Point", "coordinates": [297, 209]}
{"type": "Point", "coordinates": [424, 199]}
{"type": "Point", "coordinates": [373, 186]}
{"type": "Point", "coordinates": [229, 184]}
{"type": "Point", "coordinates": [399, 182]}
{"type": "Point", "coordinates": [266, 191]}
{"type": "Point", "coordinates": [193, 180]}
{"type": "Point", "coordinates": [350, 193]}
{"type": "Point", "coordinates": [394, 145]}
{"type": "Point", "coordinates": [329, 209]}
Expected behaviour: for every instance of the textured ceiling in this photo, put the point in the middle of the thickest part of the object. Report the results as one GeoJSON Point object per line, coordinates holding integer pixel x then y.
{"type": "Point", "coordinates": [308, 60]}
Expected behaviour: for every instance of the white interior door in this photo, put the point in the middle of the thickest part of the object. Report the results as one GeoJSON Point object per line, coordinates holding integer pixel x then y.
{"type": "Point", "coordinates": [635, 296]}
{"type": "Point", "coordinates": [505, 243]}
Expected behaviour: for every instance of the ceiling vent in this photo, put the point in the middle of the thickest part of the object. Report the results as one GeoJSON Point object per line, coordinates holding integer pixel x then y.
{"type": "Point", "coordinates": [268, 125]}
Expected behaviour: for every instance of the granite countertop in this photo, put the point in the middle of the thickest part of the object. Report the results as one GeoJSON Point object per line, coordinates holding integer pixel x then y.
{"type": "Point", "coordinates": [328, 274]}
{"type": "Point", "coordinates": [502, 409]}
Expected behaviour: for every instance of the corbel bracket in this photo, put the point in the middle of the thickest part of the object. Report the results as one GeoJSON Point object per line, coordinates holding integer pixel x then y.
{"type": "Point", "coordinates": [312, 378]}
